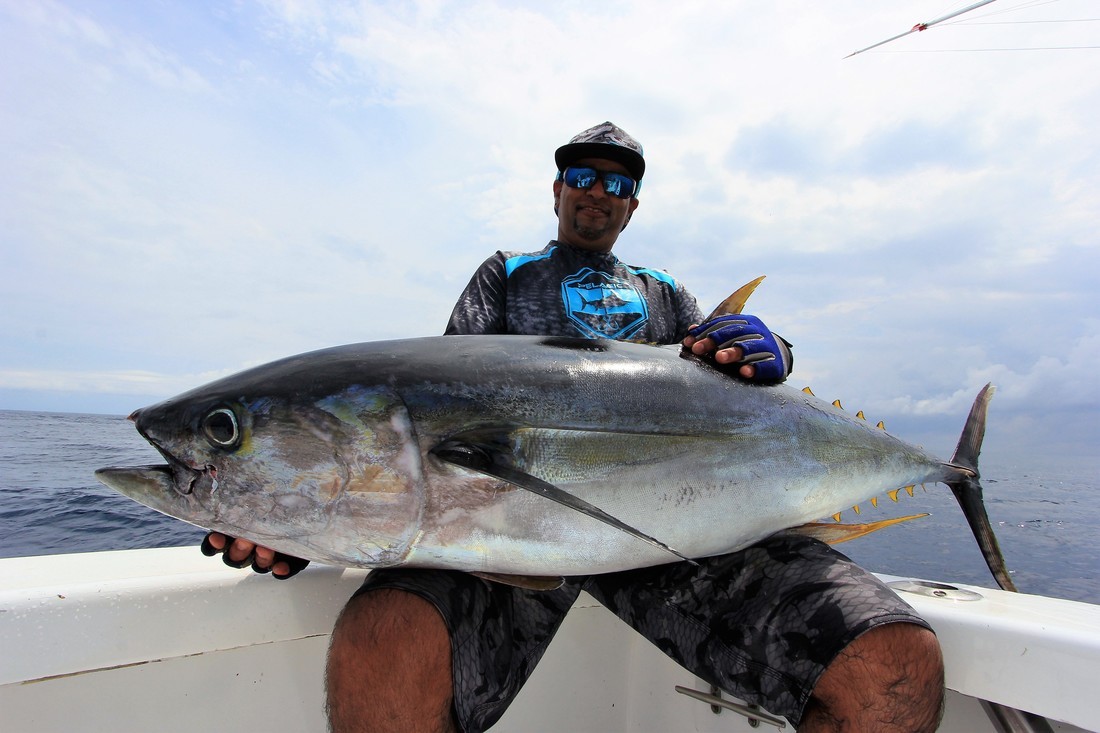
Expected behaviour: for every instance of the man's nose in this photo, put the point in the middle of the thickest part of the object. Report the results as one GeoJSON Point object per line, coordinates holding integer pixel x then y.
{"type": "Point", "coordinates": [596, 189]}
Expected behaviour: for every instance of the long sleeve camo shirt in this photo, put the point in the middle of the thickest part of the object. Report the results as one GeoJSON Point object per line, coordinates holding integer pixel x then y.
{"type": "Point", "coordinates": [564, 291]}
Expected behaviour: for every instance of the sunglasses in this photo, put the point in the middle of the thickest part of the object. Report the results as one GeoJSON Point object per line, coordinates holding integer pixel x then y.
{"type": "Point", "coordinates": [614, 184]}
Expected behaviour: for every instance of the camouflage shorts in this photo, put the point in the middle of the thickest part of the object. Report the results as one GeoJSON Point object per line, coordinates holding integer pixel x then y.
{"type": "Point", "coordinates": [761, 624]}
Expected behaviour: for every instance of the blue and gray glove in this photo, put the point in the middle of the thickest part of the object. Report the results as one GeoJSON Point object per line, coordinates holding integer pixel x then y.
{"type": "Point", "coordinates": [770, 354]}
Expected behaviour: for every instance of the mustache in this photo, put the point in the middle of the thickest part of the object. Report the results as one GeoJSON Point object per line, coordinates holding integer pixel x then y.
{"type": "Point", "coordinates": [592, 204]}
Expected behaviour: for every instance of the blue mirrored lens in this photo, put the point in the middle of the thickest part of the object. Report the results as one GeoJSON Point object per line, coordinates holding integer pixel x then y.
{"type": "Point", "coordinates": [581, 177]}
{"type": "Point", "coordinates": [614, 184]}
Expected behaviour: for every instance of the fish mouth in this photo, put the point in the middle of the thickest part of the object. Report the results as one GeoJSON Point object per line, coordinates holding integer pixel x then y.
{"type": "Point", "coordinates": [174, 477]}
{"type": "Point", "coordinates": [182, 477]}
{"type": "Point", "coordinates": [157, 487]}
{"type": "Point", "coordinates": [134, 481]}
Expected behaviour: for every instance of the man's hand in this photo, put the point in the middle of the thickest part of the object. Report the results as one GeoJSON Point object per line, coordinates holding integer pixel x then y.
{"type": "Point", "coordinates": [742, 340]}
{"type": "Point", "coordinates": [240, 553]}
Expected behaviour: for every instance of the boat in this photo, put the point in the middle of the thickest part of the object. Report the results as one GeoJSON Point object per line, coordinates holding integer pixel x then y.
{"type": "Point", "coordinates": [169, 640]}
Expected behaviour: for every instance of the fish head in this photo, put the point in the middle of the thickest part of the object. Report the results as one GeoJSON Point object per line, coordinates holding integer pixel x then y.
{"type": "Point", "coordinates": [320, 476]}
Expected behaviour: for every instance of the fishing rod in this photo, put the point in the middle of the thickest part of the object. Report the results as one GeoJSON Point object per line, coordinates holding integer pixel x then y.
{"type": "Point", "coordinates": [923, 26]}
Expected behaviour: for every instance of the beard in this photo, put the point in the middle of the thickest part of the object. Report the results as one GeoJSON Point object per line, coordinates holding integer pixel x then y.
{"type": "Point", "coordinates": [592, 231]}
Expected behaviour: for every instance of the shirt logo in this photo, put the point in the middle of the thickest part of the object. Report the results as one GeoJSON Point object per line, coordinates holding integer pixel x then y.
{"type": "Point", "coordinates": [602, 305]}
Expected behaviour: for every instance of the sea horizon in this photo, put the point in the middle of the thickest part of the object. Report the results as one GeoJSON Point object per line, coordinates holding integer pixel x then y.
{"type": "Point", "coordinates": [50, 503]}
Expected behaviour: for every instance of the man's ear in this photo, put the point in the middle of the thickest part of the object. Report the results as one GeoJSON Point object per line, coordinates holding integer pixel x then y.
{"type": "Point", "coordinates": [633, 205]}
{"type": "Point", "coordinates": [557, 195]}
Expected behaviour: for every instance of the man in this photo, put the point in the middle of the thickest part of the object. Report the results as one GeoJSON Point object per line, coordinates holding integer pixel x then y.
{"type": "Point", "coordinates": [788, 624]}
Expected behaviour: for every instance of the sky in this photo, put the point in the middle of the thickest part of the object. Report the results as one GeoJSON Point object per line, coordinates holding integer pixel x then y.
{"type": "Point", "coordinates": [189, 188]}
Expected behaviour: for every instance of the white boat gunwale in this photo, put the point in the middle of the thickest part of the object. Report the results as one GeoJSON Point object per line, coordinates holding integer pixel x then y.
{"type": "Point", "coordinates": [81, 630]}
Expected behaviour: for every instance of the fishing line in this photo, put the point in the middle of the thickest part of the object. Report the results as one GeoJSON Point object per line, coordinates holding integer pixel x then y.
{"type": "Point", "coordinates": [989, 13]}
{"type": "Point", "coordinates": [979, 50]}
{"type": "Point", "coordinates": [1029, 22]}
{"type": "Point", "coordinates": [977, 19]}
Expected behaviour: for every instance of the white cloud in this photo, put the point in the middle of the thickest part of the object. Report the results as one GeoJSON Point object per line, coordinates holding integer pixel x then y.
{"type": "Point", "coordinates": [190, 193]}
{"type": "Point", "coordinates": [120, 382]}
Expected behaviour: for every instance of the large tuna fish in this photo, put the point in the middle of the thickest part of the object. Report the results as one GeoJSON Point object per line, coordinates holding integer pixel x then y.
{"type": "Point", "coordinates": [520, 455]}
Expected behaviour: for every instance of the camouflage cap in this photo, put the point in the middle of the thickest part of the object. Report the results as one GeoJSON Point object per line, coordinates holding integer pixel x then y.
{"type": "Point", "coordinates": [606, 140]}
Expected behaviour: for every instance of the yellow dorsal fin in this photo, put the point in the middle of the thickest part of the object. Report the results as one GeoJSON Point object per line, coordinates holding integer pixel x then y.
{"type": "Point", "coordinates": [837, 533]}
{"type": "Point", "coordinates": [736, 302]}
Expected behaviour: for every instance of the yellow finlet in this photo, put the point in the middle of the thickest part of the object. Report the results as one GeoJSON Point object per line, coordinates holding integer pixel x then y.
{"type": "Point", "coordinates": [909, 490]}
{"type": "Point", "coordinates": [836, 517]}
{"type": "Point", "coordinates": [836, 403]}
{"type": "Point", "coordinates": [860, 415]}
{"type": "Point", "coordinates": [874, 502]}
{"type": "Point", "coordinates": [836, 533]}
{"type": "Point", "coordinates": [893, 495]}
{"type": "Point", "coordinates": [809, 391]}
{"type": "Point", "coordinates": [736, 302]}
{"type": "Point", "coordinates": [857, 509]}
{"type": "Point", "coordinates": [881, 425]}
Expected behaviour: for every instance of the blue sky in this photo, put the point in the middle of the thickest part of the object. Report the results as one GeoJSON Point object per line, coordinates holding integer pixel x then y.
{"type": "Point", "coordinates": [188, 188]}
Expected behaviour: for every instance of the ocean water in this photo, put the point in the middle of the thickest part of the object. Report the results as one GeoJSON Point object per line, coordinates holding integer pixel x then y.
{"type": "Point", "coordinates": [1046, 519]}
{"type": "Point", "coordinates": [50, 501]}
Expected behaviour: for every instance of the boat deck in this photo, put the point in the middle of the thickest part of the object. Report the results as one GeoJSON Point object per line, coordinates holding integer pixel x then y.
{"type": "Point", "coordinates": [168, 640]}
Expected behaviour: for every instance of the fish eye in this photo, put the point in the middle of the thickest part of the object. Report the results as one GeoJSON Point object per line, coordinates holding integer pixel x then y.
{"type": "Point", "coordinates": [220, 428]}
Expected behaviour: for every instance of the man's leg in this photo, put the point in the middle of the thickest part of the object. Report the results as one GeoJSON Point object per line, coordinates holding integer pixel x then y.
{"type": "Point", "coordinates": [389, 666]}
{"type": "Point", "coordinates": [889, 679]}
{"type": "Point", "coordinates": [436, 650]}
{"type": "Point", "coordinates": [791, 625]}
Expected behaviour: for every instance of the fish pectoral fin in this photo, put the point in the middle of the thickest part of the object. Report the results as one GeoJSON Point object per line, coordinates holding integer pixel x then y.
{"type": "Point", "coordinates": [491, 462]}
{"type": "Point", "coordinates": [530, 582]}
{"type": "Point", "coordinates": [834, 534]}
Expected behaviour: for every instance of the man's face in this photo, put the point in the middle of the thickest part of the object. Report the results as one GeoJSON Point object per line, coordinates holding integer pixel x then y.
{"type": "Point", "coordinates": [591, 219]}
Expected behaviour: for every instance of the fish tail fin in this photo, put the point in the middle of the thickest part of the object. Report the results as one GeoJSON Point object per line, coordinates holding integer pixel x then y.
{"type": "Point", "coordinates": [970, 442]}
{"type": "Point", "coordinates": [968, 491]}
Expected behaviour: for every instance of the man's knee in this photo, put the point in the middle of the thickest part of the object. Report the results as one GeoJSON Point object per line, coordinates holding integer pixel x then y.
{"type": "Point", "coordinates": [389, 664]}
{"type": "Point", "coordinates": [889, 679]}
{"type": "Point", "coordinates": [390, 617]}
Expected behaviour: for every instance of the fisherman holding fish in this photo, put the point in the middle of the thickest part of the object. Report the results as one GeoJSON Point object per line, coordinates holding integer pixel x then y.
{"type": "Point", "coordinates": [788, 624]}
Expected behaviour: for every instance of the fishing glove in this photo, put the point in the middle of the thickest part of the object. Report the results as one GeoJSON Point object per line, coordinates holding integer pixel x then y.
{"type": "Point", "coordinates": [770, 354]}
{"type": "Point", "coordinates": [296, 564]}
